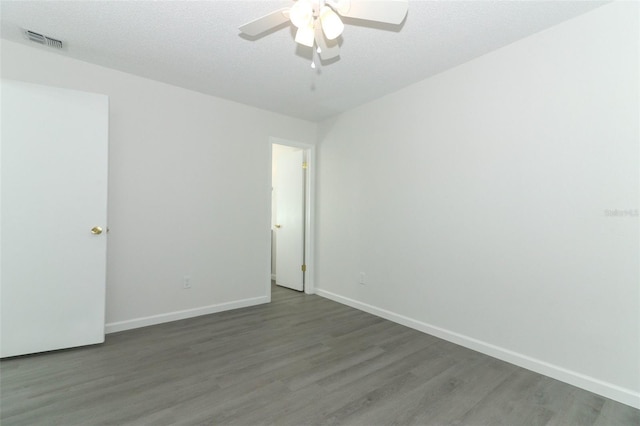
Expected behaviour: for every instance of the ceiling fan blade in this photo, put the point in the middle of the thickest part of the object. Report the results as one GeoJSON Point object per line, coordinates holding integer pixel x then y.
{"type": "Point", "coordinates": [266, 22]}
{"type": "Point", "coordinates": [326, 51]}
{"type": "Point", "coordinates": [387, 11]}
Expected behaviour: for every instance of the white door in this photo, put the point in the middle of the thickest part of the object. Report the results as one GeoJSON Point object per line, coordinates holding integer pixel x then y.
{"type": "Point", "coordinates": [289, 196]}
{"type": "Point", "coordinates": [54, 192]}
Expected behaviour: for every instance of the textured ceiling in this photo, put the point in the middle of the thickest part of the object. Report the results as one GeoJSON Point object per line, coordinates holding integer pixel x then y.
{"type": "Point", "coordinates": [196, 45]}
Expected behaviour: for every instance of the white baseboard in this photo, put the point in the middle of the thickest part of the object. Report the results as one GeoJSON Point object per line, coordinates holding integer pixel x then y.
{"type": "Point", "coordinates": [617, 393]}
{"type": "Point", "coordinates": [187, 313]}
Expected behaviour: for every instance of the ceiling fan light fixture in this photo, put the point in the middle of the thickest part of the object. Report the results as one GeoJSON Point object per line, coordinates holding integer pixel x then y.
{"type": "Point", "coordinates": [331, 23]}
{"type": "Point", "coordinates": [319, 21]}
{"type": "Point", "coordinates": [305, 36]}
{"type": "Point", "coordinates": [301, 14]}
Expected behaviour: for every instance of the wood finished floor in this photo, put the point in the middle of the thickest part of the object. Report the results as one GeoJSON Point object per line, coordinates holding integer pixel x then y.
{"type": "Point", "coordinates": [301, 360]}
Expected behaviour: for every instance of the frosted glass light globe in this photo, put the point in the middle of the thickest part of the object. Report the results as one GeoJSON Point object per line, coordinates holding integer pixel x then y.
{"type": "Point", "coordinates": [301, 13]}
{"type": "Point", "coordinates": [305, 36]}
{"type": "Point", "coordinates": [331, 23]}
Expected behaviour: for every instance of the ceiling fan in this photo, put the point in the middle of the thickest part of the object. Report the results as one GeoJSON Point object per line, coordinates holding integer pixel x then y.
{"type": "Point", "coordinates": [318, 21]}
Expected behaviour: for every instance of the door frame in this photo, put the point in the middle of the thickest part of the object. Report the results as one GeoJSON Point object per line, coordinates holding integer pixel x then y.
{"type": "Point", "coordinates": [309, 219]}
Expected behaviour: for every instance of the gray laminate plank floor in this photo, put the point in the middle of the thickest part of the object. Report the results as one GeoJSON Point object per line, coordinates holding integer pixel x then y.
{"type": "Point", "coordinates": [301, 360]}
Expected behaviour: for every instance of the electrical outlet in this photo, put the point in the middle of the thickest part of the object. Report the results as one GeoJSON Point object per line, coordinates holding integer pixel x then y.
{"type": "Point", "coordinates": [186, 282]}
{"type": "Point", "coordinates": [361, 280]}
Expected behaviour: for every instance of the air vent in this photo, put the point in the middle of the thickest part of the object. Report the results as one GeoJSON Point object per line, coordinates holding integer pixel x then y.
{"type": "Point", "coordinates": [42, 39]}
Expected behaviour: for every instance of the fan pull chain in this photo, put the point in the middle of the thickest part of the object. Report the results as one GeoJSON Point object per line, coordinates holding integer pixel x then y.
{"type": "Point", "coordinates": [314, 54]}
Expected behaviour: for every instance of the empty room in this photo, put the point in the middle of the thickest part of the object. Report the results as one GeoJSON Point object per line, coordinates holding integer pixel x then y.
{"type": "Point", "coordinates": [311, 212]}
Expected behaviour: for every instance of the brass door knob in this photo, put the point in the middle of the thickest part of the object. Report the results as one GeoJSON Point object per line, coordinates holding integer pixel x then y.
{"type": "Point", "coordinates": [278, 226]}
{"type": "Point", "coordinates": [96, 230]}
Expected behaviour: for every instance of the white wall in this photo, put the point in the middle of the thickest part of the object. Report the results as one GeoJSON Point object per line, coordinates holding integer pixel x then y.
{"type": "Point", "coordinates": [475, 203]}
{"type": "Point", "coordinates": [188, 190]}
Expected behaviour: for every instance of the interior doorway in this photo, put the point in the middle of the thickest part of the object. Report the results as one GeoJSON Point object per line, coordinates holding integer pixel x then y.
{"type": "Point", "coordinates": [291, 215]}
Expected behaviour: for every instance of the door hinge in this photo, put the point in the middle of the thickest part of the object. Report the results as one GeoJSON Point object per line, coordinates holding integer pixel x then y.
{"type": "Point", "coordinates": [304, 268]}
{"type": "Point", "coordinates": [305, 165]}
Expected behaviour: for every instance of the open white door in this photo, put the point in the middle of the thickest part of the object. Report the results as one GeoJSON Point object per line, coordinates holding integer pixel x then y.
{"type": "Point", "coordinates": [53, 218]}
{"type": "Point", "coordinates": [289, 198]}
